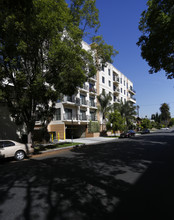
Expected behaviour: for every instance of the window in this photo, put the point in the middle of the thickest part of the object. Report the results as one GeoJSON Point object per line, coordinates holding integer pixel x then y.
{"type": "Point", "coordinates": [91, 101]}
{"type": "Point", "coordinates": [121, 90]}
{"type": "Point", "coordinates": [121, 80]}
{"type": "Point", "coordinates": [83, 115]}
{"type": "Point", "coordinates": [109, 72]}
{"type": "Point", "coordinates": [57, 115]}
{"type": "Point", "coordinates": [109, 82]}
{"type": "Point", "coordinates": [83, 100]}
{"type": "Point", "coordinates": [103, 90]}
{"type": "Point", "coordinates": [103, 79]}
{"type": "Point", "coordinates": [124, 83]}
{"type": "Point", "coordinates": [124, 92]}
{"type": "Point", "coordinates": [103, 67]}
{"type": "Point", "coordinates": [8, 144]}
{"type": "Point", "coordinates": [68, 114]}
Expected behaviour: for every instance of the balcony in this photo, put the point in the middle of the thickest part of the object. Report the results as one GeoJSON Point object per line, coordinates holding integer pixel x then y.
{"type": "Point", "coordinates": [132, 91]}
{"type": "Point", "coordinates": [83, 102]}
{"type": "Point", "coordinates": [85, 88]}
{"type": "Point", "coordinates": [132, 99]}
{"type": "Point", "coordinates": [116, 90]}
{"type": "Point", "coordinates": [83, 117]}
{"type": "Point", "coordinates": [92, 104]}
{"type": "Point", "coordinates": [92, 117]}
{"type": "Point", "coordinates": [93, 78]}
{"type": "Point", "coordinates": [115, 80]}
{"type": "Point", "coordinates": [92, 90]}
{"type": "Point", "coordinates": [69, 99]}
{"type": "Point", "coordinates": [70, 117]}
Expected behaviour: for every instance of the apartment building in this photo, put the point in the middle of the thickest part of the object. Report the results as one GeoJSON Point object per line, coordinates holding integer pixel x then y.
{"type": "Point", "coordinates": [74, 113]}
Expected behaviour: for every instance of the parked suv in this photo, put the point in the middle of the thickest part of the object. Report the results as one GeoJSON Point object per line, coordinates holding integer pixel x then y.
{"type": "Point", "coordinates": [9, 148]}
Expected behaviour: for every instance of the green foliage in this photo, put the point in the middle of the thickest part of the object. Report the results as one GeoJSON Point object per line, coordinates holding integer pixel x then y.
{"type": "Point", "coordinates": [165, 112]}
{"type": "Point", "coordinates": [157, 40]}
{"type": "Point", "coordinates": [104, 101]}
{"type": "Point", "coordinates": [103, 52]}
{"type": "Point", "coordinates": [127, 110]}
{"type": "Point", "coordinates": [145, 123]}
{"type": "Point", "coordinates": [115, 122]}
{"type": "Point", "coordinates": [93, 127]}
{"type": "Point", "coordinates": [41, 54]}
{"type": "Point", "coordinates": [171, 123]}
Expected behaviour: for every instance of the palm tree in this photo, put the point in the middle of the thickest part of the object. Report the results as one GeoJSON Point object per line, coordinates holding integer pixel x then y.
{"type": "Point", "coordinates": [127, 111]}
{"type": "Point", "coordinates": [104, 104]}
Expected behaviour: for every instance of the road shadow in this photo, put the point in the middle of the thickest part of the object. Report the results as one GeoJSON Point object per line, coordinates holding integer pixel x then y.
{"type": "Point", "coordinates": [123, 179]}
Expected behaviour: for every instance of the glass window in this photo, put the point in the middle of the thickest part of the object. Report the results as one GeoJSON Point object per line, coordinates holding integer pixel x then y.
{"type": "Point", "coordinates": [8, 144]}
{"type": "Point", "coordinates": [109, 72]}
{"type": "Point", "coordinates": [57, 115]}
{"type": "Point", "coordinates": [103, 79]}
{"type": "Point", "coordinates": [109, 82]}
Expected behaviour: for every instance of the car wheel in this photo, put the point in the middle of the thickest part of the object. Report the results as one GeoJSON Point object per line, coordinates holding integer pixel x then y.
{"type": "Point", "coordinates": [19, 155]}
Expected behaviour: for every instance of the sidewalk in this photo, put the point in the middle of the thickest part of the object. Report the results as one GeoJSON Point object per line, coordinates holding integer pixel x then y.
{"type": "Point", "coordinates": [96, 140]}
{"type": "Point", "coordinates": [86, 141]}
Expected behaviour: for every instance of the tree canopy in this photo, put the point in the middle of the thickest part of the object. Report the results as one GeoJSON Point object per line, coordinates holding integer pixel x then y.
{"type": "Point", "coordinates": [104, 103]}
{"type": "Point", "coordinates": [165, 112]}
{"type": "Point", "coordinates": [41, 54]}
{"type": "Point", "coordinates": [127, 111]}
{"type": "Point", "coordinates": [157, 40]}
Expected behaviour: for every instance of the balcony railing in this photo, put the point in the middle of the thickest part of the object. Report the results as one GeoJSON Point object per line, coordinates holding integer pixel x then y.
{"type": "Point", "coordinates": [92, 118]}
{"type": "Point", "coordinates": [83, 102]}
{"type": "Point", "coordinates": [132, 90]}
{"type": "Point", "coordinates": [115, 79]}
{"type": "Point", "coordinates": [85, 87]}
{"type": "Point", "coordinates": [116, 90]}
{"type": "Point", "coordinates": [83, 117]}
{"type": "Point", "coordinates": [69, 99]}
{"type": "Point", "coordinates": [92, 90]}
{"type": "Point", "coordinates": [70, 116]}
{"type": "Point", "coordinates": [92, 103]}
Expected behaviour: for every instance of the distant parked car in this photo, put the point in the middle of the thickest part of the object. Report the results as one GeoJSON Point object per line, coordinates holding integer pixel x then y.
{"type": "Point", "coordinates": [127, 134]}
{"type": "Point", "coordinates": [145, 131]}
{"type": "Point", "coordinates": [9, 148]}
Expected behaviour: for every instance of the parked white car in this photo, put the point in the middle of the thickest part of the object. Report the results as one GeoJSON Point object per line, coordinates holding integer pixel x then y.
{"type": "Point", "coordinates": [9, 148]}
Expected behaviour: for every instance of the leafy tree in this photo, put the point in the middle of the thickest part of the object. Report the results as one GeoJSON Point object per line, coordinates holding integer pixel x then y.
{"type": "Point", "coordinates": [127, 110]}
{"type": "Point", "coordinates": [156, 117]}
{"type": "Point", "coordinates": [104, 103]}
{"type": "Point", "coordinates": [41, 54]}
{"type": "Point", "coordinates": [165, 113]}
{"type": "Point", "coordinates": [145, 123]}
{"type": "Point", "coordinates": [115, 121]}
{"type": "Point", "coordinates": [171, 123]}
{"type": "Point", "coordinates": [157, 40]}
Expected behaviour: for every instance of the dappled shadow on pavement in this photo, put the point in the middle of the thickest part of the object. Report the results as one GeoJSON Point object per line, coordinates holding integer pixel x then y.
{"type": "Point", "coordinates": [127, 178]}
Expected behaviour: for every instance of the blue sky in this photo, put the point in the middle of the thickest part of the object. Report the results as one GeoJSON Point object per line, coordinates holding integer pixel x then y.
{"type": "Point", "coordinates": [119, 28]}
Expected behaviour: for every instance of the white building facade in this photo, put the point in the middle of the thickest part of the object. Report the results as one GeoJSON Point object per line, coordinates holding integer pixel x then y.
{"type": "Point", "coordinates": [74, 113]}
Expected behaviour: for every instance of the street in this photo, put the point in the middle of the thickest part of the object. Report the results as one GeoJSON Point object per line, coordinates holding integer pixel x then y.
{"type": "Point", "coordinates": [123, 179]}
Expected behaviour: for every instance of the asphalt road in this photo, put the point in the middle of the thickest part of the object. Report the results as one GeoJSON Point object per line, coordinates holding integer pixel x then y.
{"type": "Point", "coordinates": [124, 179]}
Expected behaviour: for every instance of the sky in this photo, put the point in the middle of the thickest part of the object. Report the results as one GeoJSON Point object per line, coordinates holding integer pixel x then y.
{"type": "Point", "coordinates": [119, 27]}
